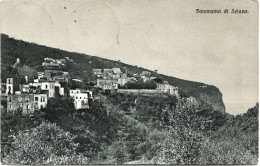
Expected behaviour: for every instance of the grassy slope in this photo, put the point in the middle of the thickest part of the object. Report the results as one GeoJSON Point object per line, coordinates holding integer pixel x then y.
{"type": "Point", "coordinates": [32, 55]}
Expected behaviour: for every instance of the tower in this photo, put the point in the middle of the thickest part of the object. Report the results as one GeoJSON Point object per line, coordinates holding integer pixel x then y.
{"type": "Point", "coordinates": [26, 79]}
{"type": "Point", "coordinates": [9, 86]}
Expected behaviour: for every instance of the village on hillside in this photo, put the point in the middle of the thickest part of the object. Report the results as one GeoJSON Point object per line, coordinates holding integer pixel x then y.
{"type": "Point", "coordinates": [52, 82]}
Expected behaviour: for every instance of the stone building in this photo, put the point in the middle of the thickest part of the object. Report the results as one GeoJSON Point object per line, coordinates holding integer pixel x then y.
{"type": "Point", "coordinates": [107, 84]}
{"type": "Point", "coordinates": [27, 103]}
{"type": "Point", "coordinates": [40, 101]}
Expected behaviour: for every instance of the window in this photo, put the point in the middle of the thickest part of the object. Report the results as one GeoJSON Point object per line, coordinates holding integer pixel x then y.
{"type": "Point", "coordinates": [46, 86]}
{"type": "Point", "coordinates": [10, 99]}
{"type": "Point", "coordinates": [36, 98]}
{"type": "Point", "coordinates": [76, 97]}
{"type": "Point", "coordinates": [43, 99]}
{"type": "Point", "coordinates": [79, 97]}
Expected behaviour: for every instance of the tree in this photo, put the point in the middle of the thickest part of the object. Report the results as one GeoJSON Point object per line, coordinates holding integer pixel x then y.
{"type": "Point", "coordinates": [34, 146]}
{"type": "Point", "coordinates": [184, 137]}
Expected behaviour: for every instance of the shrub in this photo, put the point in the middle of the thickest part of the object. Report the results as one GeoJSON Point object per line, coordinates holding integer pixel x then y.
{"type": "Point", "coordinates": [35, 146]}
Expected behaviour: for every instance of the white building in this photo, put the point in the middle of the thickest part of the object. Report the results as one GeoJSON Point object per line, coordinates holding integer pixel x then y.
{"type": "Point", "coordinates": [116, 70]}
{"type": "Point", "coordinates": [97, 71]}
{"type": "Point", "coordinates": [81, 98]}
{"type": "Point", "coordinates": [107, 84]}
{"type": "Point", "coordinates": [9, 86]}
{"type": "Point", "coordinates": [49, 86]}
{"type": "Point", "coordinates": [167, 88]}
{"type": "Point", "coordinates": [123, 80]}
{"type": "Point", "coordinates": [145, 78]}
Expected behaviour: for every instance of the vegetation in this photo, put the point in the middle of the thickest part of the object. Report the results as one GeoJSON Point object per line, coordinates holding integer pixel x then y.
{"type": "Point", "coordinates": [117, 130]}
{"type": "Point", "coordinates": [120, 128]}
{"type": "Point", "coordinates": [46, 144]}
{"type": "Point", "coordinates": [139, 84]}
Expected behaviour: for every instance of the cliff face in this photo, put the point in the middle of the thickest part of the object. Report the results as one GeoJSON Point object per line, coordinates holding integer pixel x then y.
{"type": "Point", "coordinates": [215, 100]}
{"type": "Point", "coordinates": [32, 55]}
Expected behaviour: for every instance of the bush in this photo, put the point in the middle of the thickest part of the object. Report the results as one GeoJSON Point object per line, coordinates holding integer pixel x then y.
{"type": "Point", "coordinates": [34, 146]}
{"type": "Point", "coordinates": [184, 137]}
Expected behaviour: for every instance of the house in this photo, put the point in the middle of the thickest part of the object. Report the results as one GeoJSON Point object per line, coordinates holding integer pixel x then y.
{"type": "Point", "coordinates": [116, 70]}
{"type": "Point", "coordinates": [67, 58]}
{"type": "Point", "coordinates": [49, 59]}
{"type": "Point", "coordinates": [97, 72]}
{"type": "Point", "coordinates": [60, 61]}
{"type": "Point", "coordinates": [108, 74]}
{"type": "Point", "coordinates": [146, 73]}
{"type": "Point", "coordinates": [49, 86]}
{"type": "Point", "coordinates": [107, 84]}
{"type": "Point", "coordinates": [27, 103]}
{"type": "Point", "coordinates": [25, 88]}
{"type": "Point", "coordinates": [44, 75]}
{"type": "Point", "coordinates": [40, 101]}
{"type": "Point", "coordinates": [116, 76]}
{"type": "Point", "coordinates": [192, 100]}
{"type": "Point", "coordinates": [167, 88]}
{"type": "Point", "coordinates": [123, 79]}
{"type": "Point", "coordinates": [51, 64]}
{"type": "Point", "coordinates": [60, 88]}
{"type": "Point", "coordinates": [82, 99]}
{"type": "Point", "coordinates": [144, 77]}
{"type": "Point", "coordinates": [55, 75]}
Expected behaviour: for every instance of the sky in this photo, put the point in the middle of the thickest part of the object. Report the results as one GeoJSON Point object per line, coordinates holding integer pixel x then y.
{"type": "Point", "coordinates": [164, 35]}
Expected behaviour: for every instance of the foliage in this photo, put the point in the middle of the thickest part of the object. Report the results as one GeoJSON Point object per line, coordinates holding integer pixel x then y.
{"type": "Point", "coordinates": [236, 142]}
{"type": "Point", "coordinates": [34, 146]}
{"type": "Point", "coordinates": [121, 128]}
{"type": "Point", "coordinates": [12, 123]}
{"type": "Point", "coordinates": [184, 135]}
{"type": "Point", "coordinates": [140, 84]}
{"type": "Point", "coordinates": [238, 151]}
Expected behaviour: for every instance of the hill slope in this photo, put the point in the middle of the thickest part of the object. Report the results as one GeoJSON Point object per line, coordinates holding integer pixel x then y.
{"type": "Point", "coordinates": [32, 55]}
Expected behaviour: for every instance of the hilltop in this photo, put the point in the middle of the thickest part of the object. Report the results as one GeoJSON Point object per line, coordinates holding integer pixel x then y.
{"type": "Point", "coordinates": [32, 55]}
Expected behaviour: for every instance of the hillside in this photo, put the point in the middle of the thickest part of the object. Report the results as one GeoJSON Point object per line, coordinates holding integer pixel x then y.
{"type": "Point", "coordinates": [120, 128]}
{"type": "Point", "coordinates": [32, 55]}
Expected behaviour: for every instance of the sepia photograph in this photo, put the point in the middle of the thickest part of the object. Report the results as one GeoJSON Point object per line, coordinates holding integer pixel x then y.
{"type": "Point", "coordinates": [129, 82]}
